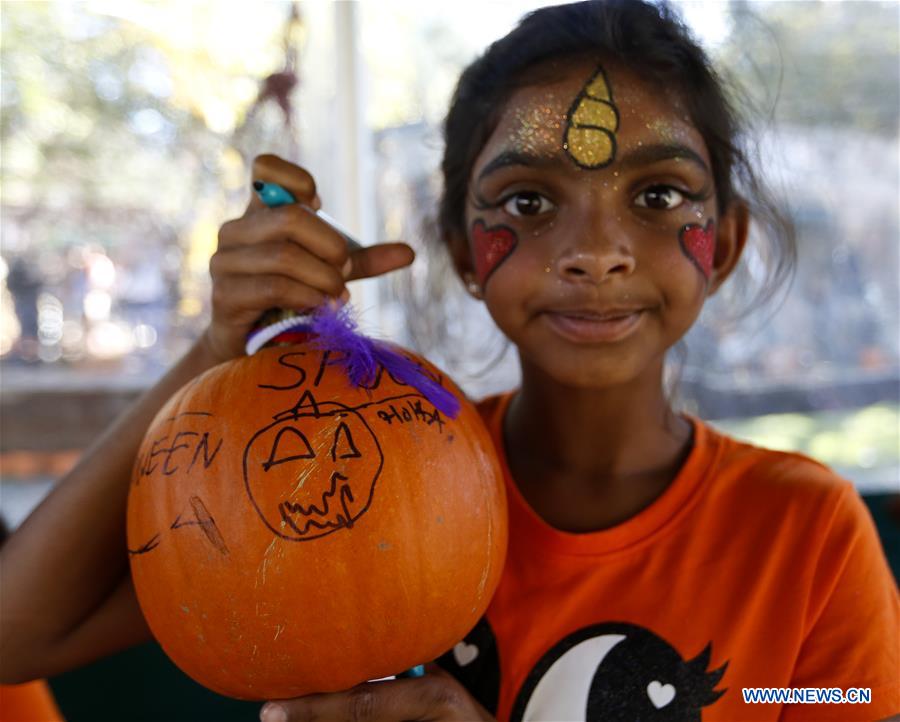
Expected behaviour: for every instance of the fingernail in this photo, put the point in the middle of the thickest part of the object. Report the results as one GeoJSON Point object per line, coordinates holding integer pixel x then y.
{"type": "Point", "coordinates": [272, 713]}
{"type": "Point", "coordinates": [346, 268]}
{"type": "Point", "coordinates": [345, 296]}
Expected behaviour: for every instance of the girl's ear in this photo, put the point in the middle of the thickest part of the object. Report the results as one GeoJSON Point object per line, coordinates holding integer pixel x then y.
{"type": "Point", "coordinates": [462, 262]}
{"type": "Point", "coordinates": [731, 237]}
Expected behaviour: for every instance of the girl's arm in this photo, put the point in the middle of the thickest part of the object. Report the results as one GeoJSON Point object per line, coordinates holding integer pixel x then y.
{"type": "Point", "coordinates": [66, 596]}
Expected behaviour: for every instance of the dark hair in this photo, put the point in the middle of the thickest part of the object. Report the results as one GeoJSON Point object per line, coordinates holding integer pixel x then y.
{"type": "Point", "coordinates": [648, 38]}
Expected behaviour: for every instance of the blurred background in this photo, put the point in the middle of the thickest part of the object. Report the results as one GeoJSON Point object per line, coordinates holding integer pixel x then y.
{"type": "Point", "coordinates": [127, 133]}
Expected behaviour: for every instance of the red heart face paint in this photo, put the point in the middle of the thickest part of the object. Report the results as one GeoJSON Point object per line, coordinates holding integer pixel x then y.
{"type": "Point", "coordinates": [699, 244]}
{"type": "Point", "coordinates": [490, 246]}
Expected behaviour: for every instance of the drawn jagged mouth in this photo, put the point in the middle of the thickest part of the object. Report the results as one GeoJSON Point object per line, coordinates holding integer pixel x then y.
{"type": "Point", "coordinates": [291, 512]}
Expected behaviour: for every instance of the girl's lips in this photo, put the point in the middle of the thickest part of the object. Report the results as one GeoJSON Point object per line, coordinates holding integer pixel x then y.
{"type": "Point", "coordinates": [593, 328]}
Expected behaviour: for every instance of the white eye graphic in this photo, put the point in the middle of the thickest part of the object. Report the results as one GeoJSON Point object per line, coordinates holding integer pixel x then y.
{"type": "Point", "coordinates": [563, 690]}
{"type": "Point", "coordinates": [617, 671]}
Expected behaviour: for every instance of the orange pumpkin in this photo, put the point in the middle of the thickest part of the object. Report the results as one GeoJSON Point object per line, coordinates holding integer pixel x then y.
{"type": "Point", "coordinates": [290, 533]}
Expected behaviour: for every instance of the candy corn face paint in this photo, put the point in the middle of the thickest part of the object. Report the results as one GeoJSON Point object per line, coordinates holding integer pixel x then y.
{"type": "Point", "coordinates": [591, 124]}
{"type": "Point", "coordinates": [490, 247]}
{"type": "Point", "coordinates": [698, 243]}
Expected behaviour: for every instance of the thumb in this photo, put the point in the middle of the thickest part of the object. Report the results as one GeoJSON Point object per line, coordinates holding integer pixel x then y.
{"type": "Point", "coordinates": [376, 260]}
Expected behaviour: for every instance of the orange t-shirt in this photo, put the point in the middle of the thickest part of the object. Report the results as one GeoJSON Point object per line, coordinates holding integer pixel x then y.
{"type": "Point", "coordinates": [28, 702]}
{"type": "Point", "coordinates": [754, 568]}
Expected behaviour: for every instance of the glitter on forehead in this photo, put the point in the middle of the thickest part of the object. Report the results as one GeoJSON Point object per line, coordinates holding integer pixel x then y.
{"type": "Point", "coordinates": [536, 128]}
{"type": "Point", "coordinates": [666, 131]}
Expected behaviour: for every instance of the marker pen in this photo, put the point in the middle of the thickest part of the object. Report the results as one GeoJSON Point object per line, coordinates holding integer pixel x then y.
{"type": "Point", "coordinates": [273, 195]}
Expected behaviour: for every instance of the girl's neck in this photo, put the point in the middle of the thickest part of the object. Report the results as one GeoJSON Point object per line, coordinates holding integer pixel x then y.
{"type": "Point", "coordinates": [599, 437]}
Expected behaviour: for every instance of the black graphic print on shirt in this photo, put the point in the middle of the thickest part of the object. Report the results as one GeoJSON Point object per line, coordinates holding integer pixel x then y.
{"type": "Point", "coordinates": [475, 663]}
{"type": "Point", "coordinates": [617, 671]}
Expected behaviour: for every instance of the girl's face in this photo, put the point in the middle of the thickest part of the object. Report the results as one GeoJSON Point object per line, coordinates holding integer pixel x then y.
{"type": "Point", "coordinates": [592, 225]}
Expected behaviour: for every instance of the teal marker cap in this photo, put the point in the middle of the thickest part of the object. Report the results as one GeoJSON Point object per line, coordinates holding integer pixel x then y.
{"type": "Point", "coordinates": [272, 194]}
{"type": "Point", "coordinates": [417, 671]}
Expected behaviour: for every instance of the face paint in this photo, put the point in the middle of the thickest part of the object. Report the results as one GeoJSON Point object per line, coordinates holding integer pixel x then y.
{"type": "Point", "coordinates": [591, 124]}
{"type": "Point", "coordinates": [490, 247]}
{"type": "Point", "coordinates": [699, 244]}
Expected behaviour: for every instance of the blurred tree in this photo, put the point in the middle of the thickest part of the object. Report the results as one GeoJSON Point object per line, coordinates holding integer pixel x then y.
{"type": "Point", "coordinates": [129, 105]}
{"type": "Point", "coordinates": [822, 81]}
{"type": "Point", "coordinates": [117, 124]}
{"type": "Point", "coordinates": [826, 63]}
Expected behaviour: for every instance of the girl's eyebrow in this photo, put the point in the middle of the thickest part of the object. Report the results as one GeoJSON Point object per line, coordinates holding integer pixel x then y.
{"type": "Point", "coordinates": [516, 157]}
{"type": "Point", "coordinates": [657, 152]}
{"type": "Point", "coordinates": [644, 155]}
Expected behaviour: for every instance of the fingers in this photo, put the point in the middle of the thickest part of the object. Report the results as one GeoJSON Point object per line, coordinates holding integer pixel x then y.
{"type": "Point", "coordinates": [435, 698]}
{"type": "Point", "coordinates": [272, 169]}
{"type": "Point", "coordinates": [292, 222]}
{"type": "Point", "coordinates": [278, 257]}
{"type": "Point", "coordinates": [307, 229]}
{"type": "Point", "coordinates": [285, 257]}
{"type": "Point", "coordinates": [376, 260]}
{"type": "Point", "coordinates": [240, 300]}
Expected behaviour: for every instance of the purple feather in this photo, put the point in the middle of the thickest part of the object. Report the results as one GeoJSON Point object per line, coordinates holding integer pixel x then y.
{"type": "Point", "coordinates": [336, 332]}
{"type": "Point", "coordinates": [360, 356]}
{"type": "Point", "coordinates": [407, 371]}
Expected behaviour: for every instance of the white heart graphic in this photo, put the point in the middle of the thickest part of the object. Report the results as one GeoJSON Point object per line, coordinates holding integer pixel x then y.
{"type": "Point", "coordinates": [464, 653]}
{"type": "Point", "coordinates": [660, 694]}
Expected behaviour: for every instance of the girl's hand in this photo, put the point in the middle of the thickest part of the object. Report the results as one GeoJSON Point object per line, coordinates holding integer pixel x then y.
{"type": "Point", "coordinates": [436, 697]}
{"type": "Point", "coordinates": [285, 257]}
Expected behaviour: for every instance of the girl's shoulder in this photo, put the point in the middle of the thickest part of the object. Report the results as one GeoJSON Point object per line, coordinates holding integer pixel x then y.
{"type": "Point", "coordinates": [761, 481]}
{"type": "Point", "coordinates": [741, 458]}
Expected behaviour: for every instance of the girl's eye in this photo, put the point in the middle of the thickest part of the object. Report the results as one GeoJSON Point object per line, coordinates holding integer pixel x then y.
{"type": "Point", "coordinates": [527, 203]}
{"type": "Point", "coordinates": [664, 198]}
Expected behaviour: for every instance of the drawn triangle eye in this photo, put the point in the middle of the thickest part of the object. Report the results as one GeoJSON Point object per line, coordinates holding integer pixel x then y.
{"type": "Point", "coordinates": [289, 444]}
{"type": "Point", "coordinates": [343, 447]}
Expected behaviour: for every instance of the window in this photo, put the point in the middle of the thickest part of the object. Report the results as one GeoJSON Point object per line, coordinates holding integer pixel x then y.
{"type": "Point", "coordinates": [120, 162]}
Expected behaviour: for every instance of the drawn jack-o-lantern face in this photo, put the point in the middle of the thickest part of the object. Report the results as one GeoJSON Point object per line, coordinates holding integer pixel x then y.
{"type": "Point", "coordinates": [311, 474]}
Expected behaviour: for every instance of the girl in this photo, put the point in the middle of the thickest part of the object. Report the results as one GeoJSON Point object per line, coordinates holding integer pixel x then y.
{"type": "Point", "coordinates": [656, 569]}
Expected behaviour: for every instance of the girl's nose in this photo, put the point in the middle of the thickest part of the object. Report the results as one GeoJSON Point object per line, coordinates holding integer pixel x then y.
{"type": "Point", "coordinates": [598, 256]}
